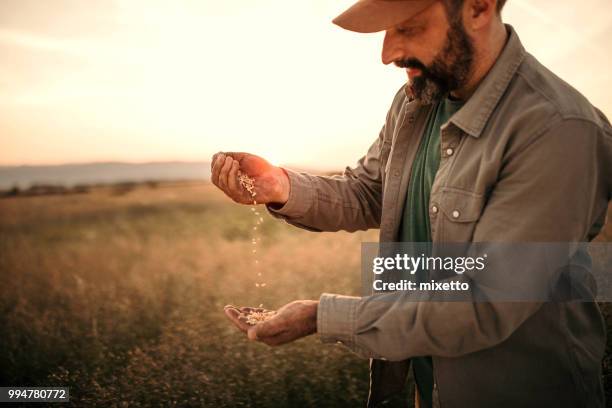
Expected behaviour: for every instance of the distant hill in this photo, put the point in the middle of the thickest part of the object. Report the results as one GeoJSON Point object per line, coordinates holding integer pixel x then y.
{"type": "Point", "coordinates": [70, 175]}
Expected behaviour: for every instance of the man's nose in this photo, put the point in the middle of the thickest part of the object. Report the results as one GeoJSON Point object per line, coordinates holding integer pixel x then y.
{"type": "Point", "coordinates": [392, 48]}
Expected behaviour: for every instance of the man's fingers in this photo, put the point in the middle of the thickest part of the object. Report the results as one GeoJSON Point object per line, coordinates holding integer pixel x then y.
{"type": "Point", "coordinates": [227, 164]}
{"type": "Point", "coordinates": [279, 339]}
{"type": "Point", "coordinates": [282, 337]}
{"type": "Point", "coordinates": [232, 180]}
{"type": "Point", "coordinates": [268, 328]}
{"type": "Point", "coordinates": [271, 332]}
{"type": "Point", "coordinates": [216, 169]}
{"type": "Point", "coordinates": [234, 315]}
{"type": "Point", "coordinates": [212, 160]}
{"type": "Point", "coordinates": [237, 155]}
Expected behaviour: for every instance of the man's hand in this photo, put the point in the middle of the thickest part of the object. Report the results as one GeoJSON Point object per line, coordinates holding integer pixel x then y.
{"type": "Point", "coordinates": [291, 322]}
{"type": "Point", "coordinates": [271, 182]}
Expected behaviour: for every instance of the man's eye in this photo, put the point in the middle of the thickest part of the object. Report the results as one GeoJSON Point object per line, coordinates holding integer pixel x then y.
{"type": "Point", "coordinates": [406, 30]}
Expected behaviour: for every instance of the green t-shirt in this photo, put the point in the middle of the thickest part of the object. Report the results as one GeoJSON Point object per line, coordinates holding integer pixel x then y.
{"type": "Point", "coordinates": [415, 219]}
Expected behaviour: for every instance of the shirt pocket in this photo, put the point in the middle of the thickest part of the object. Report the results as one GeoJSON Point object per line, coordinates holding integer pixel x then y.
{"type": "Point", "coordinates": [459, 212]}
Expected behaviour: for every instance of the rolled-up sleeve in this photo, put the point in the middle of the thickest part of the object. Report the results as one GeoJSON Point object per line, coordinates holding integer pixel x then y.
{"type": "Point", "coordinates": [336, 320]}
{"type": "Point", "coordinates": [301, 197]}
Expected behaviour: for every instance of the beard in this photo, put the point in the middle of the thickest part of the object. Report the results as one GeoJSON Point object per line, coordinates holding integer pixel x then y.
{"type": "Point", "coordinates": [449, 71]}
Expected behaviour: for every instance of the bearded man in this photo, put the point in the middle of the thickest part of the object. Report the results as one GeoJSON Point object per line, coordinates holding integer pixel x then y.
{"type": "Point", "coordinates": [483, 144]}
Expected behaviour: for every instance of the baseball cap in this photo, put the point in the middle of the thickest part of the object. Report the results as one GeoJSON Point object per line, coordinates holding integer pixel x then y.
{"type": "Point", "coordinates": [370, 16]}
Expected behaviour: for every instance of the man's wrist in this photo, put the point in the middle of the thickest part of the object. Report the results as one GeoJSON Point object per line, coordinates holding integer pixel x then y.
{"type": "Point", "coordinates": [300, 195]}
{"type": "Point", "coordinates": [313, 316]}
{"type": "Point", "coordinates": [284, 190]}
{"type": "Point", "coordinates": [281, 196]}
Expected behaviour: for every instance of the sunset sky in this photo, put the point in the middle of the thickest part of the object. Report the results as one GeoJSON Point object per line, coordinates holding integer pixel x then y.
{"type": "Point", "coordinates": [149, 80]}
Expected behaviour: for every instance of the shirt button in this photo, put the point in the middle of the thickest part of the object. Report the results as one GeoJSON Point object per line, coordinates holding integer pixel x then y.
{"type": "Point", "coordinates": [449, 151]}
{"type": "Point", "coordinates": [410, 119]}
{"type": "Point", "coordinates": [434, 209]}
{"type": "Point", "coordinates": [456, 214]}
{"type": "Point", "coordinates": [339, 342]}
{"type": "Point", "coordinates": [396, 173]}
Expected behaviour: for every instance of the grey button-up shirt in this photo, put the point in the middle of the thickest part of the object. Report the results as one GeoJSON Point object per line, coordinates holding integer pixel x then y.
{"type": "Point", "coordinates": [526, 159]}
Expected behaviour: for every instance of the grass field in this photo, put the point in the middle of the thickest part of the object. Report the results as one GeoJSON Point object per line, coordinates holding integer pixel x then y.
{"type": "Point", "coordinates": [119, 294]}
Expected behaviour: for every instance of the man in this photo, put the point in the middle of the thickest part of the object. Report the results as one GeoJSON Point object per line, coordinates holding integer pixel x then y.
{"type": "Point", "coordinates": [483, 144]}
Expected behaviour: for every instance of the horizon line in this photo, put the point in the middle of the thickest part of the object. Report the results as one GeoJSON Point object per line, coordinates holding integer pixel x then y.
{"type": "Point", "coordinates": [129, 162]}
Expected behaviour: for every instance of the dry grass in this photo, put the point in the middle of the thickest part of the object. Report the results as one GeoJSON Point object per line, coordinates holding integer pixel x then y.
{"type": "Point", "coordinates": [121, 298]}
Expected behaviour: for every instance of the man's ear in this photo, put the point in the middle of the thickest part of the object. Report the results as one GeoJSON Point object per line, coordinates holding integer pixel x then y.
{"type": "Point", "coordinates": [479, 13]}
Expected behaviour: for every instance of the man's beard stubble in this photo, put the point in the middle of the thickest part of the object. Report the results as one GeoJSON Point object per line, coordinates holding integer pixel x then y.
{"type": "Point", "coordinates": [449, 70]}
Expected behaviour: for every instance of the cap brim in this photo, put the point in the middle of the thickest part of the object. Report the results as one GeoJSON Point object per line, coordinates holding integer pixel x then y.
{"type": "Point", "coordinates": [370, 16]}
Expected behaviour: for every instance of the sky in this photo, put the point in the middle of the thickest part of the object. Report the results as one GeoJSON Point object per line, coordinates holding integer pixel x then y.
{"type": "Point", "coordinates": [152, 80]}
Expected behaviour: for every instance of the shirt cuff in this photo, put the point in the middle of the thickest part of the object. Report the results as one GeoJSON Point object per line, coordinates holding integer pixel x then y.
{"type": "Point", "coordinates": [336, 319]}
{"type": "Point", "coordinates": [301, 197]}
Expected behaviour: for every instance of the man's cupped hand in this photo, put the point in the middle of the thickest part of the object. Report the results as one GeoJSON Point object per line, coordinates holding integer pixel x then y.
{"type": "Point", "coordinates": [291, 322]}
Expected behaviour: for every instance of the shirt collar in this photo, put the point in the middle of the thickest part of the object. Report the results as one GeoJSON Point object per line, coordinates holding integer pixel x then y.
{"type": "Point", "coordinates": [475, 114]}
{"type": "Point", "coordinates": [477, 110]}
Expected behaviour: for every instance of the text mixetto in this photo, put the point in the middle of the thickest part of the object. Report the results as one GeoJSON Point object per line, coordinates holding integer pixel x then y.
{"type": "Point", "coordinates": [406, 285]}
